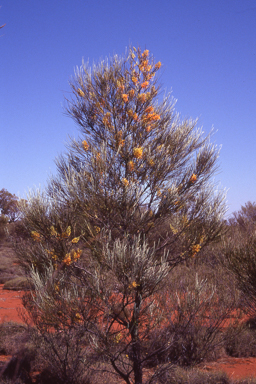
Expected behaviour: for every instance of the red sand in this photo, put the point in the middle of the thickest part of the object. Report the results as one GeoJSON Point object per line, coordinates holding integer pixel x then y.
{"type": "Point", "coordinates": [236, 368]}
{"type": "Point", "coordinates": [10, 301]}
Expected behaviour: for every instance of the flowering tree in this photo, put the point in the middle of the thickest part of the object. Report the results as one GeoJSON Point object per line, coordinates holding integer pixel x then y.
{"type": "Point", "coordinates": [133, 198]}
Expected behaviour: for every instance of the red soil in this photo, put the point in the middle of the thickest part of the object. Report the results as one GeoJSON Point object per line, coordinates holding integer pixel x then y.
{"type": "Point", "coordinates": [236, 368]}
{"type": "Point", "coordinates": [10, 303]}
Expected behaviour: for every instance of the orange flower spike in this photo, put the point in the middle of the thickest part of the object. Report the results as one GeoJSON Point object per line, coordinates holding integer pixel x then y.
{"type": "Point", "coordinates": [35, 236]}
{"type": "Point", "coordinates": [130, 113]}
{"type": "Point", "coordinates": [125, 182]}
{"type": "Point", "coordinates": [145, 84]}
{"type": "Point", "coordinates": [67, 259]}
{"type": "Point", "coordinates": [125, 97]}
{"type": "Point", "coordinates": [158, 65]}
{"type": "Point", "coordinates": [193, 178]}
{"type": "Point", "coordinates": [85, 145]}
{"type": "Point", "coordinates": [145, 53]}
{"type": "Point", "coordinates": [149, 109]}
{"type": "Point", "coordinates": [130, 166]}
{"type": "Point", "coordinates": [131, 93]}
{"type": "Point", "coordinates": [142, 97]}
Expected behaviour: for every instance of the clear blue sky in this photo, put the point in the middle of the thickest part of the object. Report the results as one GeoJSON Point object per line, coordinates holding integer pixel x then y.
{"type": "Point", "coordinates": [208, 51]}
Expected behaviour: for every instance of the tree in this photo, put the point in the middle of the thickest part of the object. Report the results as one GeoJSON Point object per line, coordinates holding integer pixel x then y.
{"type": "Point", "coordinates": [133, 198]}
{"type": "Point", "coordinates": [9, 205]}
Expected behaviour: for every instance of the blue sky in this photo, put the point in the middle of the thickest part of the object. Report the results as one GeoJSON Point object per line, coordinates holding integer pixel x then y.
{"type": "Point", "coordinates": [208, 52]}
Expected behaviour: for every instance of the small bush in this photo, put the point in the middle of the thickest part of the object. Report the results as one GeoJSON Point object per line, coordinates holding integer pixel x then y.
{"type": "Point", "coordinates": [241, 341]}
{"type": "Point", "coordinates": [18, 283]}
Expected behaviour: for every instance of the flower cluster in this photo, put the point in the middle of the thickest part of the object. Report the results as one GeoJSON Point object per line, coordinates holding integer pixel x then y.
{"type": "Point", "coordinates": [73, 256]}
{"type": "Point", "coordinates": [138, 152]}
{"type": "Point", "coordinates": [35, 236]}
{"type": "Point", "coordinates": [85, 145]}
{"type": "Point", "coordinates": [193, 178]}
{"type": "Point", "coordinates": [125, 182]}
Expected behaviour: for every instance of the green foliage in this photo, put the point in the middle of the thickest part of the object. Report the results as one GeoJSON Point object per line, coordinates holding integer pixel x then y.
{"type": "Point", "coordinates": [132, 199]}
{"type": "Point", "coordinates": [9, 205]}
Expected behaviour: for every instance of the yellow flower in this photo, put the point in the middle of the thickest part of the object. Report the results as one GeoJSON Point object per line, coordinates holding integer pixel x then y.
{"type": "Point", "coordinates": [125, 182]}
{"type": "Point", "coordinates": [35, 236]}
{"type": "Point", "coordinates": [193, 178]}
{"type": "Point", "coordinates": [138, 152]}
{"type": "Point", "coordinates": [173, 229]}
{"type": "Point", "coordinates": [67, 233]}
{"type": "Point", "coordinates": [195, 249]}
{"type": "Point", "coordinates": [145, 84]}
{"type": "Point", "coordinates": [125, 97]}
{"type": "Point", "coordinates": [158, 65]}
{"type": "Point", "coordinates": [85, 145]}
{"type": "Point", "coordinates": [76, 254]}
{"type": "Point", "coordinates": [130, 166]}
{"type": "Point", "coordinates": [118, 337]}
{"type": "Point", "coordinates": [97, 229]}
{"type": "Point", "coordinates": [75, 240]}
{"type": "Point", "coordinates": [151, 162]}
{"type": "Point", "coordinates": [77, 317]}
{"type": "Point", "coordinates": [80, 92]}
{"type": "Point", "coordinates": [53, 231]}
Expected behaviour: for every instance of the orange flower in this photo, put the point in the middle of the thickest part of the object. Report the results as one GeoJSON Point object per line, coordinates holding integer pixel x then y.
{"type": "Point", "coordinates": [145, 84]}
{"type": "Point", "coordinates": [135, 116]}
{"type": "Point", "coordinates": [131, 93]}
{"type": "Point", "coordinates": [145, 53]}
{"type": "Point", "coordinates": [35, 236]}
{"type": "Point", "coordinates": [142, 97]}
{"type": "Point", "coordinates": [138, 152]}
{"type": "Point", "coordinates": [85, 145]}
{"type": "Point", "coordinates": [134, 80]}
{"type": "Point", "coordinates": [130, 166]}
{"type": "Point", "coordinates": [149, 109]}
{"type": "Point", "coordinates": [195, 249]}
{"type": "Point", "coordinates": [80, 92]}
{"type": "Point", "coordinates": [148, 128]}
{"type": "Point", "coordinates": [193, 178]}
{"type": "Point", "coordinates": [125, 182]}
{"type": "Point", "coordinates": [125, 97]}
{"type": "Point", "coordinates": [67, 260]}
{"type": "Point", "coordinates": [158, 65]}
{"type": "Point", "coordinates": [130, 113]}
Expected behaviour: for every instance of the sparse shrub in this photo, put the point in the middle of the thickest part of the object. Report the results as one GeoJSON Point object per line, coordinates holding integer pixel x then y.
{"type": "Point", "coordinates": [240, 341]}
